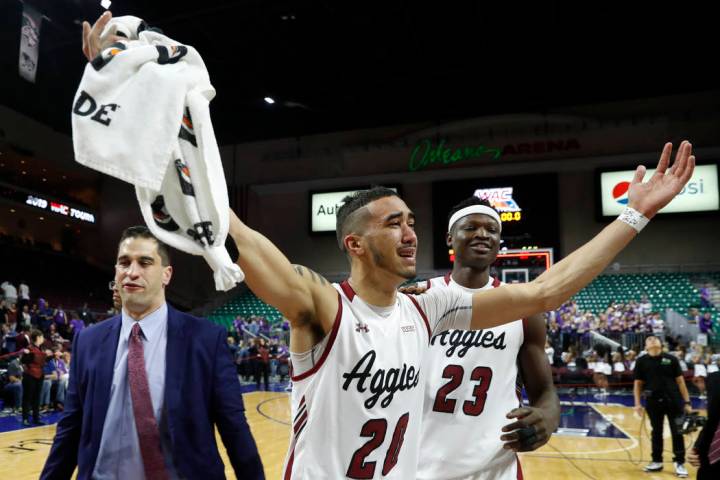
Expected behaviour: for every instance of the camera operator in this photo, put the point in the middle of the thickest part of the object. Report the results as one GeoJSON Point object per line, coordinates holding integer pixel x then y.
{"type": "Point", "coordinates": [658, 374]}
{"type": "Point", "coordinates": [706, 452]}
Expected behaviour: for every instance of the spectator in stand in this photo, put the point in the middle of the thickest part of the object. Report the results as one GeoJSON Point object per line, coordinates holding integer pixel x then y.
{"type": "Point", "coordinates": [76, 325]}
{"type": "Point", "coordinates": [45, 314]}
{"type": "Point", "coordinates": [3, 312]}
{"type": "Point", "coordinates": [61, 320]}
{"type": "Point", "coordinates": [12, 316]}
{"type": "Point", "coordinates": [245, 366]}
{"type": "Point", "coordinates": [33, 363]}
{"type": "Point", "coordinates": [23, 294]}
{"type": "Point", "coordinates": [549, 352]}
{"type": "Point", "coordinates": [705, 323]}
{"type": "Point", "coordinates": [62, 371]}
{"type": "Point", "coordinates": [273, 348]}
{"type": "Point", "coordinates": [14, 386]}
{"type": "Point", "coordinates": [260, 354]}
{"type": "Point", "coordinates": [645, 305]}
{"type": "Point", "coordinates": [49, 377]}
{"type": "Point", "coordinates": [713, 364]}
{"type": "Point", "coordinates": [283, 358]}
{"type": "Point", "coordinates": [232, 347]}
{"type": "Point", "coordinates": [630, 358]}
{"type": "Point", "coordinates": [54, 336]}
{"type": "Point", "coordinates": [239, 324]}
{"type": "Point", "coordinates": [699, 374]}
{"type": "Point", "coordinates": [86, 316]}
{"type": "Point", "coordinates": [25, 317]}
{"type": "Point", "coordinates": [22, 339]}
{"type": "Point", "coordinates": [253, 327]}
{"type": "Point", "coordinates": [705, 300]}
{"type": "Point", "coordinates": [9, 292]}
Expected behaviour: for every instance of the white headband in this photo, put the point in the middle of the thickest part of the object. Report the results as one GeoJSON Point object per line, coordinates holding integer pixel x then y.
{"type": "Point", "coordinates": [474, 209]}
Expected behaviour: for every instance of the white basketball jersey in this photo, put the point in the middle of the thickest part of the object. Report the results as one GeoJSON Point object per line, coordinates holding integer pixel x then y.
{"type": "Point", "coordinates": [356, 412]}
{"type": "Point", "coordinates": [470, 385]}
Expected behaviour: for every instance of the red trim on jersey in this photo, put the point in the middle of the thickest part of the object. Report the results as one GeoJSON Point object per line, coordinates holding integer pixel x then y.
{"type": "Point", "coordinates": [496, 283]}
{"type": "Point", "coordinates": [300, 423]}
{"type": "Point", "coordinates": [429, 283]}
{"type": "Point", "coordinates": [328, 347]}
{"type": "Point", "coordinates": [348, 290]}
{"type": "Point", "coordinates": [447, 278]}
{"type": "Point", "coordinates": [422, 314]}
{"type": "Point", "coordinates": [519, 468]}
{"type": "Point", "coordinates": [288, 469]}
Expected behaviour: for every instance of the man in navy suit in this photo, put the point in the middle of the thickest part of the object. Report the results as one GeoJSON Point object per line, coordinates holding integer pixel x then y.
{"type": "Point", "coordinates": [147, 387]}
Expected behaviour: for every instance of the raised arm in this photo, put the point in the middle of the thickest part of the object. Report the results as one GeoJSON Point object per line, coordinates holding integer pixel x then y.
{"type": "Point", "coordinates": [305, 298]}
{"type": "Point", "coordinates": [567, 277]}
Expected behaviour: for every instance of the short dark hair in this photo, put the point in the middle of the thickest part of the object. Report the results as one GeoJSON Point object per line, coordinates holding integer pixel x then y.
{"type": "Point", "coordinates": [34, 334]}
{"type": "Point", "coordinates": [141, 231]}
{"type": "Point", "coordinates": [354, 202]}
{"type": "Point", "coordinates": [474, 200]}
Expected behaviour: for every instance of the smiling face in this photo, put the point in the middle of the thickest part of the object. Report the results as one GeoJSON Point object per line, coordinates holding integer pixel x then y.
{"type": "Point", "coordinates": [387, 241]}
{"type": "Point", "coordinates": [476, 241]}
{"type": "Point", "coordinates": [140, 275]}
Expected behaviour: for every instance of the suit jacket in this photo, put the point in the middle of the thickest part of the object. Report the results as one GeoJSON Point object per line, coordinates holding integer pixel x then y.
{"type": "Point", "coordinates": [705, 437]}
{"type": "Point", "coordinates": [201, 391]}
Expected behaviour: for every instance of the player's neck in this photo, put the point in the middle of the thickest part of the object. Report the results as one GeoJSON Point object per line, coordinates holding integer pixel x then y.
{"type": "Point", "coordinates": [470, 277]}
{"type": "Point", "coordinates": [374, 289]}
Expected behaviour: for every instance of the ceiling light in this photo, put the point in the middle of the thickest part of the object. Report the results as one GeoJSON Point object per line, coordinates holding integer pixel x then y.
{"type": "Point", "coordinates": [42, 218]}
{"type": "Point", "coordinates": [12, 210]}
{"type": "Point", "coordinates": [269, 100]}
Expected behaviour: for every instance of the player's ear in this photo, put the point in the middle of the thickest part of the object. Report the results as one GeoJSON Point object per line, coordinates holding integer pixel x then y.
{"type": "Point", "coordinates": [448, 239]}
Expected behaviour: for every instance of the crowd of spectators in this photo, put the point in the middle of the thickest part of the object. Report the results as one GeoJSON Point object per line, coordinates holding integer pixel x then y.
{"type": "Point", "coordinates": [24, 318]}
{"type": "Point", "coordinates": [579, 360]}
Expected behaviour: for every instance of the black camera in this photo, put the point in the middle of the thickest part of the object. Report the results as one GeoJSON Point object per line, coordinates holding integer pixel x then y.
{"type": "Point", "coordinates": [690, 422]}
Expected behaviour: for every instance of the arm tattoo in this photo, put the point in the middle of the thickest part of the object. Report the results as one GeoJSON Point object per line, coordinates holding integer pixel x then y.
{"type": "Point", "coordinates": [315, 277]}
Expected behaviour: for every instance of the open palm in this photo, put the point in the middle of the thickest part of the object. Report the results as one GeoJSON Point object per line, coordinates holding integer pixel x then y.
{"type": "Point", "coordinates": [651, 196]}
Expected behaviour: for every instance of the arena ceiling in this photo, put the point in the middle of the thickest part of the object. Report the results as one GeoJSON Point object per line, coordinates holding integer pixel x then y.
{"type": "Point", "coordinates": [334, 65]}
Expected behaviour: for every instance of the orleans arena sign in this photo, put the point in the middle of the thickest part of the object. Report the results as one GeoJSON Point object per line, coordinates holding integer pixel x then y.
{"type": "Point", "coordinates": [427, 153]}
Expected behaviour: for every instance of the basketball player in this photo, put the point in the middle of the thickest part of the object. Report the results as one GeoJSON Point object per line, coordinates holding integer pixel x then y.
{"type": "Point", "coordinates": [470, 377]}
{"type": "Point", "coordinates": [357, 347]}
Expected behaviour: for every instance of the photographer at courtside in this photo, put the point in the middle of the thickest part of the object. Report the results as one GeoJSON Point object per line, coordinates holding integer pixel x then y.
{"type": "Point", "coordinates": [658, 374]}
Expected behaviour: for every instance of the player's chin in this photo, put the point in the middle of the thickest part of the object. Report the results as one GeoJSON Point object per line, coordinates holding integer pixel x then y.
{"type": "Point", "coordinates": [408, 272]}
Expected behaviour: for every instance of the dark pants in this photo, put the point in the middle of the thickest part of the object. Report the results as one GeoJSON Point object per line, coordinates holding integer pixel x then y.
{"type": "Point", "coordinates": [657, 410]}
{"type": "Point", "coordinates": [31, 397]}
{"type": "Point", "coordinates": [707, 471]}
{"type": "Point", "coordinates": [262, 369]}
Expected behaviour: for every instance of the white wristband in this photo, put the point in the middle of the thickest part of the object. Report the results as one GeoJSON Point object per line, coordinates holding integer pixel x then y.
{"type": "Point", "coordinates": [634, 218]}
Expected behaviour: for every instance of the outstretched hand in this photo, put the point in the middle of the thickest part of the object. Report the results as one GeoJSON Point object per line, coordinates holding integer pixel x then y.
{"type": "Point", "coordinates": [651, 196]}
{"type": "Point", "coordinates": [93, 43]}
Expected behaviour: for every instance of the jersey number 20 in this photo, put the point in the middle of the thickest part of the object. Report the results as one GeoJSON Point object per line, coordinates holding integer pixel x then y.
{"type": "Point", "coordinates": [375, 429]}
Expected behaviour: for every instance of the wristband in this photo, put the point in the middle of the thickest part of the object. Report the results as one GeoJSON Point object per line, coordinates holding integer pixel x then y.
{"type": "Point", "coordinates": [634, 218]}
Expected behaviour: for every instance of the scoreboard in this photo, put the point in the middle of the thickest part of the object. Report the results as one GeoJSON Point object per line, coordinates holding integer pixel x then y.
{"type": "Point", "coordinates": [528, 207]}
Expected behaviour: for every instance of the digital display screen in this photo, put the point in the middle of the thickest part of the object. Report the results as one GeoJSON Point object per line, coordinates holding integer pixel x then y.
{"type": "Point", "coordinates": [528, 207]}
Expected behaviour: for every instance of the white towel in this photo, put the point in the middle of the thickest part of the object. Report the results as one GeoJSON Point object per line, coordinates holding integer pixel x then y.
{"type": "Point", "coordinates": [141, 114]}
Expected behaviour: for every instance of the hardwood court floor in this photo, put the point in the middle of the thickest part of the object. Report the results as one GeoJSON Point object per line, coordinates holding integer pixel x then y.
{"type": "Point", "coordinates": [23, 452]}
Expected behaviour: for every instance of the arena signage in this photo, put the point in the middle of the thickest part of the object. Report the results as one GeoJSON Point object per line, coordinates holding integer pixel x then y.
{"type": "Point", "coordinates": [59, 208]}
{"type": "Point", "coordinates": [426, 153]}
{"type": "Point", "coordinates": [324, 207]}
{"type": "Point", "coordinates": [502, 200]}
{"type": "Point", "coordinates": [699, 195]}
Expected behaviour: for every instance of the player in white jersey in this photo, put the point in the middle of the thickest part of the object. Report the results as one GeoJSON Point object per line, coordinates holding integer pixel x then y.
{"type": "Point", "coordinates": [342, 428]}
{"type": "Point", "coordinates": [470, 376]}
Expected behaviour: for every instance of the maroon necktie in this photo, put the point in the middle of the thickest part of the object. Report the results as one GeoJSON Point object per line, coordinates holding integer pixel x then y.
{"type": "Point", "coordinates": [147, 429]}
{"type": "Point", "coordinates": [714, 452]}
